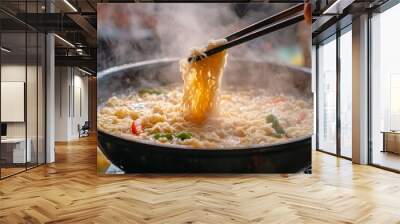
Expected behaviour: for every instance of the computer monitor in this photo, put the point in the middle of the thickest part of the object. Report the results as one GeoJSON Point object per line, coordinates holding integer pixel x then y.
{"type": "Point", "coordinates": [3, 129]}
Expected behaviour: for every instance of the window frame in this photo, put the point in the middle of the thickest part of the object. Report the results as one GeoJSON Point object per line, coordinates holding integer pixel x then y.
{"type": "Point", "coordinates": [381, 9]}
{"type": "Point", "coordinates": [333, 37]}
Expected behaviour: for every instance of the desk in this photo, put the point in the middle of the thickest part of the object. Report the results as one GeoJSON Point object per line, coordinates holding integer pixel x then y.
{"type": "Point", "coordinates": [13, 150]}
{"type": "Point", "coordinates": [391, 141]}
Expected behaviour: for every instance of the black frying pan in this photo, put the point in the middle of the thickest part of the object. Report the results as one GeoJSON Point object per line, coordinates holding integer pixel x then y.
{"type": "Point", "coordinates": [136, 156]}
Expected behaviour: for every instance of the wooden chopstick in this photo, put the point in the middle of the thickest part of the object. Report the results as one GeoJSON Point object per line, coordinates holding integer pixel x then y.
{"type": "Point", "coordinates": [251, 32]}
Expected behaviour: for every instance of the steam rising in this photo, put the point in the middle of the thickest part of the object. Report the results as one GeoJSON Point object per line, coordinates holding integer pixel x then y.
{"type": "Point", "coordinates": [134, 32]}
{"type": "Point", "coordinates": [142, 31]}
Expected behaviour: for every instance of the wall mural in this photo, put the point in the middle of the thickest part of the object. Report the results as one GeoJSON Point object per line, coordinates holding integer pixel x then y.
{"type": "Point", "coordinates": [177, 93]}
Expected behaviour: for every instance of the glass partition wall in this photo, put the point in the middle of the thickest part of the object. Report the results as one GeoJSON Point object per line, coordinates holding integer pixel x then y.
{"type": "Point", "coordinates": [385, 89]}
{"type": "Point", "coordinates": [22, 94]}
{"type": "Point", "coordinates": [334, 93]}
{"type": "Point", "coordinates": [345, 62]}
{"type": "Point", "coordinates": [327, 95]}
{"type": "Point", "coordinates": [13, 86]}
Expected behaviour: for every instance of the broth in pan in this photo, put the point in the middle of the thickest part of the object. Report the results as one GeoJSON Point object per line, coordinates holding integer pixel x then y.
{"type": "Point", "coordinates": [200, 115]}
{"type": "Point", "coordinates": [244, 117]}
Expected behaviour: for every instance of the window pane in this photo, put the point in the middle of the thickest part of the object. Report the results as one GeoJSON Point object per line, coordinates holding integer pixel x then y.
{"type": "Point", "coordinates": [345, 94]}
{"type": "Point", "coordinates": [41, 98]}
{"type": "Point", "coordinates": [327, 97]}
{"type": "Point", "coordinates": [15, 150]}
{"type": "Point", "coordinates": [385, 84]}
{"type": "Point", "coordinates": [31, 97]}
{"type": "Point", "coordinates": [32, 88]}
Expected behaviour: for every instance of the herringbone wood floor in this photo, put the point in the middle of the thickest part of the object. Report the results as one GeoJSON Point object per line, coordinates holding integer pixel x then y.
{"type": "Point", "coordinates": [70, 191]}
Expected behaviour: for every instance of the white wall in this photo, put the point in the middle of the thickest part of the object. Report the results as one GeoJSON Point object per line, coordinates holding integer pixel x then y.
{"type": "Point", "coordinates": [80, 110]}
{"type": "Point", "coordinates": [71, 93]}
{"type": "Point", "coordinates": [61, 115]}
{"type": "Point", "coordinates": [33, 127]}
{"type": "Point", "coordinates": [14, 72]}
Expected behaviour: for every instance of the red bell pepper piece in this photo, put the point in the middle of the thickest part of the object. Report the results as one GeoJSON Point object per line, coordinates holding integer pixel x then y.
{"type": "Point", "coordinates": [135, 128]}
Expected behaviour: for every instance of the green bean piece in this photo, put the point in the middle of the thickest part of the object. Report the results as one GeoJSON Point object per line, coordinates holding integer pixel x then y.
{"type": "Point", "coordinates": [276, 135]}
{"type": "Point", "coordinates": [149, 91]}
{"type": "Point", "coordinates": [275, 124]}
{"type": "Point", "coordinates": [163, 135]}
{"type": "Point", "coordinates": [184, 135]}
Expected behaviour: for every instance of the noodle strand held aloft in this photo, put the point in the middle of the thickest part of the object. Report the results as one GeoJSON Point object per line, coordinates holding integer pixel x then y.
{"type": "Point", "coordinates": [201, 82]}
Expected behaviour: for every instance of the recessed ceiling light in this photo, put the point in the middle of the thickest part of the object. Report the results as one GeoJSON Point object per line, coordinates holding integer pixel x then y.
{"type": "Point", "coordinates": [5, 50]}
{"type": "Point", "coordinates": [64, 40]}
{"type": "Point", "coordinates": [338, 6]}
{"type": "Point", "coordinates": [86, 72]}
{"type": "Point", "coordinates": [70, 5]}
